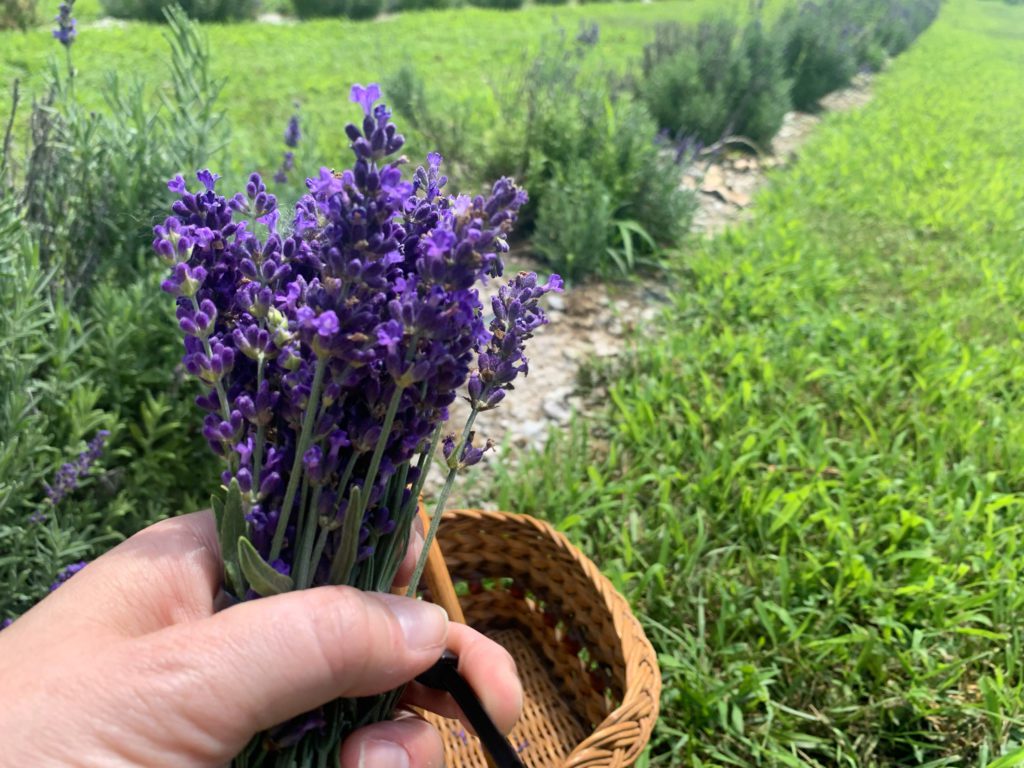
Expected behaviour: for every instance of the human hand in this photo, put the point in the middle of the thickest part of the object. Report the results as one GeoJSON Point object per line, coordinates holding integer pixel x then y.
{"type": "Point", "coordinates": [128, 664]}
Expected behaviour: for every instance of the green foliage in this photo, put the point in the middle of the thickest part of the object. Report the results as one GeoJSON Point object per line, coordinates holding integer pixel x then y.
{"type": "Point", "coordinates": [364, 9]}
{"type": "Point", "coordinates": [200, 10]}
{"type": "Point", "coordinates": [808, 477]}
{"type": "Point", "coordinates": [447, 131]}
{"type": "Point", "coordinates": [819, 50]}
{"type": "Point", "coordinates": [89, 339]}
{"type": "Point", "coordinates": [825, 43]}
{"type": "Point", "coordinates": [354, 9]}
{"type": "Point", "coordinates": [564, 133]}
{"type": "Point", "coordinates": [764, 98]}
{"type": "Point", "coordinates": [421, 5]}
{"type": "Point", "coordinates": [18, 14]}
{"type": "Point", "coordinates": [110, 163]}
{"type": "Point", "coordinates": [604, 198]}
{"type": "Point", "coordinates": [311, 9]}
{"type": "Point", "coordinates": [715, 81]}
{"type": "Point", "coordinates": [505, 5]}
{"type": "Point", "coordinates": [897, 23]}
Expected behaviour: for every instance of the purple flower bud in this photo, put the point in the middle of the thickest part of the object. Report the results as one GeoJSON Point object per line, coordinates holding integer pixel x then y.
{"type": "Point", "coordinates": [244, 478]}
{"type": "Point", "coordinates": [207, 179]}
{"type": "Point", "coordinates": [365, 97]}
{"type": "Point", "coordinates": [66, 573]}
{"type": "Point", "coordinates": [269, 485]}
{"type": "Point", "coordinates": [177, 185]}
{"type": "Point", "coordinates": [313, 462]}
{"type": "Point", "coordinates": [71, 474]}
{"type": "Point", "coordinates": [448, 450]}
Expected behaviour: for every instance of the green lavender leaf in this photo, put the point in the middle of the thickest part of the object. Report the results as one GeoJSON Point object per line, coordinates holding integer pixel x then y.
{"type": "Point", "coordinates": [231, 527]}
{"type": "Point", "coordinates": [261, 575]}
{"type": "Point", "coordinates": [217, 505]}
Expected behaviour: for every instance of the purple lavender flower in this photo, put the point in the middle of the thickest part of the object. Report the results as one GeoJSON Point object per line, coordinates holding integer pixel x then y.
{"type": "Point", "coordinates": [67, 26]}
{"type": "Point", "coordinates": [66, 573]}
{"type": "Point", "coordinates": [588, 35]}
{"type": "Point", "coordinates": [5, 624]}
{"type": "Point", "coordinates": [469, 455]}
{"type": "Point", "coordinates": [517, 314]}
{"type": "Point", "coordinates": [71, 474]}
{"type": "Point", "coordinates": [287, 164]}
{"type": "Point", "coordinates": [365, 97]}
{"type": "Point", "coordinates": [292, 133]}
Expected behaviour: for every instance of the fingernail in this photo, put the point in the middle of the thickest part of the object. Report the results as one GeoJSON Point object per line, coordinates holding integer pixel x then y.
{"type": "Point", "coordinates": [382, 754]}
{"type": "Point", "coordinates": [424, 625]}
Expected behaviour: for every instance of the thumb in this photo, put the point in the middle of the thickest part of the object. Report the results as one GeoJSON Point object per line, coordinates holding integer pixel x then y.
{"type": "Point", "coordinates": [261, 662]}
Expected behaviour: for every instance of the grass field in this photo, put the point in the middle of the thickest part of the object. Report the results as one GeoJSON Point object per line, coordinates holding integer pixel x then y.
{"type": "Point", "coordinates": [811, 484]}
{"type": "Point", "coordinates": [462, 54]}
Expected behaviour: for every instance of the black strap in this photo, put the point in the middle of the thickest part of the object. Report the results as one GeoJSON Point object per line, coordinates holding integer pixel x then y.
{"type": "Point", "coordinates": [444, 676]}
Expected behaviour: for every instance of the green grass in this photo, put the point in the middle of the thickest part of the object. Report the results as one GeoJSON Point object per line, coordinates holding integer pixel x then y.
{"type": "Point", "coordinates": [462, 53]}
{"type": "Point", "coordinates": [811, 484]}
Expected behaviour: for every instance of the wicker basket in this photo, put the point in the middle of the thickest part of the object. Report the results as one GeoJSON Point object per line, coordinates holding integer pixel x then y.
{"type": "Point", "coordinates": [590, 675]}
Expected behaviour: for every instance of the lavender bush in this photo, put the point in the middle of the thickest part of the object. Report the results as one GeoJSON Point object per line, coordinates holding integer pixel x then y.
{"type": "Point", "coordinates": [80, 187]}
{"type": "Point", "coordinates": [329, 353]}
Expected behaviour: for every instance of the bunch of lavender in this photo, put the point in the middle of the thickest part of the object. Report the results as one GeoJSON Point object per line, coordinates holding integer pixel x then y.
{"type": "Point", "coordinates": [330, 354]}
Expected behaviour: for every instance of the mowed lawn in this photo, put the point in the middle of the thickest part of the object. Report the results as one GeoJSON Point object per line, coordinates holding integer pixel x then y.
{"type": "Point", "coordinates": [810, 483]}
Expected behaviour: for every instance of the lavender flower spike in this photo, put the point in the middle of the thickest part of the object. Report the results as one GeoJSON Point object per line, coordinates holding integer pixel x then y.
{"type": "Point", "coordinates": [67, 26]}
{"type": "Point", "coordinates": [292, 134]}
{"type": "Point", "coordinates": [71, 474]}
{"type": "Point", "coordinates": [517, 314]}
{"type": "Point", "coordinates": [66, 573]}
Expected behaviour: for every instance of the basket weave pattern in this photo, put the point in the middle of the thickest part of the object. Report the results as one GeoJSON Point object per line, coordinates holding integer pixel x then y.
{"type": "Point", "coordinates": [590, 675]}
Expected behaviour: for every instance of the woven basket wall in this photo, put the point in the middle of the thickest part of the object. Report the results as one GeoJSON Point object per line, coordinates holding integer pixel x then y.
{"type": "Point", "coordinates": [590, 675]}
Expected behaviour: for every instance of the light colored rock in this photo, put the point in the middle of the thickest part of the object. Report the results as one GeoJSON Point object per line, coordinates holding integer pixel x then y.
{"type": "Point", "coordinates": [556, 302]}
{"type": "Point", "coordinates": [107, 22]}
{"type": "Point", "coordinates": [714, 178]}
{"type": "Point", "coordinates": [275, 18]}
{"type": "Point", "coordinates": [556, 410]}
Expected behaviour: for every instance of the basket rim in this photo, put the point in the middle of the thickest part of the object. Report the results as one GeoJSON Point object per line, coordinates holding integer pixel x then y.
{"type": "Point", "coordinates": [619, 739]}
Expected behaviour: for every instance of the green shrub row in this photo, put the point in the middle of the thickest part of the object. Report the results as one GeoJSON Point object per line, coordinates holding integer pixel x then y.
{"type": "Point", "coordinates": [604, 196]}
{"type": "Point", "coordinates": [199, 10]}
{"type": "Point", "coordinates": [722, 79]}
{"type": "Point", "coordinates": [239, 10]}
{"type": "Point", "coordinates": [18, 14]}
{"type": "Point", "coordinates": [715, 80]}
